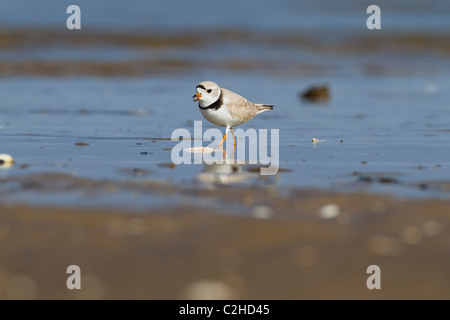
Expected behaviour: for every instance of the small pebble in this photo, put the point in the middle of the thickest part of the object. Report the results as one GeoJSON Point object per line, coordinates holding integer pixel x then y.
{"type": "Point", "coordinates": [329, 211]}
{"type": "Point", "coordinates": [81, 144]}
{"type": "Point", "coordinates": [365, 179]}
{"type": "Point", "coordinates": [316, 94]}
{"type": "Point", "coordinates": [423, 186]}
{"type": "Point", "coordinates": [167, 165]}
{"type": "Point", "coordinates": [262, 212]}
{"type": "Point", "coordinates": [387, 180]}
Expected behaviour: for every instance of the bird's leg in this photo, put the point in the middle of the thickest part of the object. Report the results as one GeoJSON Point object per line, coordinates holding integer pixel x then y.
{"type": "Point", "coordinates": [234, 140]}
{"type": "Point", "coordinates": [224, 137]}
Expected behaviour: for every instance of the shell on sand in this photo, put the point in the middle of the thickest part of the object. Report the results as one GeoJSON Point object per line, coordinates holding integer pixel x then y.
{"type": "Point", "coordinates": [6, 161]}
{"type": "Point", "coordinates": [6, 158]}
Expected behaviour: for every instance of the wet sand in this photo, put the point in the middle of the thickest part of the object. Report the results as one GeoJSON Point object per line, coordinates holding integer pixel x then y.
{"type": "Point", "coordinates": [142, 54]}
{"type": "Point", "coordinates": [289, 248]}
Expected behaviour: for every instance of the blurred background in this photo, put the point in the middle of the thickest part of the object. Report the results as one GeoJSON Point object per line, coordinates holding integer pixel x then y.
{"type": "Point", "coordinates": [88, 115]}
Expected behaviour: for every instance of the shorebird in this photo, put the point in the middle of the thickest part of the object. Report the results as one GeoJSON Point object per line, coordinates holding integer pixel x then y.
{"type": "Point", "coordinates": [225, 108]}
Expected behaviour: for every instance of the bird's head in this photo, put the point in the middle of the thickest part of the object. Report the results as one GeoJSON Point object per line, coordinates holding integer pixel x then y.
{"type": "Point", "coordinates": [208, 92]}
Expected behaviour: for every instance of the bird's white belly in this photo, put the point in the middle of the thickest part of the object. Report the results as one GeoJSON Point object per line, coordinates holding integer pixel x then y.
{"type": "Point", "coordinates": [220, 117]}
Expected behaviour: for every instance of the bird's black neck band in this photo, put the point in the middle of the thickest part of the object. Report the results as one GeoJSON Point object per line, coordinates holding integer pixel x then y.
{"type": "Point", "coordinates": [215, 105]}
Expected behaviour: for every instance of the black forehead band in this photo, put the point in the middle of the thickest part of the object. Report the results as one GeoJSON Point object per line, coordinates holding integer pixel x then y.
{"type": "Point", "coordinates": [201, 87]}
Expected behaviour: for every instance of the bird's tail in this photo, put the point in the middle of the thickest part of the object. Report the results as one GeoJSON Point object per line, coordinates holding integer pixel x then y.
{"type": "Point", "coordinates": [263, 107]}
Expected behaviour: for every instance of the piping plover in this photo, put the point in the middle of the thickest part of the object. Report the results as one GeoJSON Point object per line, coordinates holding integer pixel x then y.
{"type": "Point", "coordinates": [225, 108]}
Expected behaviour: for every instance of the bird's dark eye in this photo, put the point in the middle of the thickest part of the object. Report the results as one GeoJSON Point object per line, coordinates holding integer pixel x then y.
{"type": "Point", "coordinates": [209, 90]}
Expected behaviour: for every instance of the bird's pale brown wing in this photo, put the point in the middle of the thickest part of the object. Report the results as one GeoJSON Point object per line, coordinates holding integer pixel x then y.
{"type": "Point", "coordinates": [238, 106]}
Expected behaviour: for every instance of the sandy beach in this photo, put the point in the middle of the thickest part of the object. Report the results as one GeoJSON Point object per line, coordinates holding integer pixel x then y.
{"type": "Point", "coordinates": [291, 251]}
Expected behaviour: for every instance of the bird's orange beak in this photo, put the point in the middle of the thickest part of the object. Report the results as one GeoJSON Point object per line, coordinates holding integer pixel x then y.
{"type": "Point", "coordinates": [197, 96]}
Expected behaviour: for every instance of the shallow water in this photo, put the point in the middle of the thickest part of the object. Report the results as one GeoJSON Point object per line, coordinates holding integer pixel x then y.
{"type": "Point", "coordinates": [384, 129]}
{"type": "Point", "coordinates": [127, 124]}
